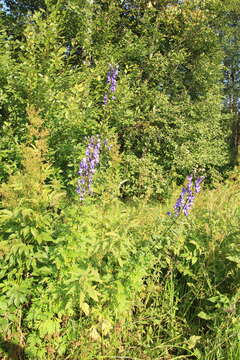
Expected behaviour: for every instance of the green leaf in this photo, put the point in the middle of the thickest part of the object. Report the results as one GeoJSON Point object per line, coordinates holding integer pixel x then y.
{"type": "Point", "coordinates": [48, 327]}
{"type": "Point", "coordinates": [204, 316]}
{"type": "Point", "coordinates": [193, 340]}
{"type": "Point", "coordinates": [92, 293]}
{"type": "Point", "coordinates": [85, 308]}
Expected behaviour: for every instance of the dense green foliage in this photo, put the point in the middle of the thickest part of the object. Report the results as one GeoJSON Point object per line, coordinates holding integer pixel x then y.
{"type": "Point", "coordinates": [113, 276]}
{"type": "Point", "coordinates": [167, 114]}
{"type": "Point", "coordinates": [106, 279]}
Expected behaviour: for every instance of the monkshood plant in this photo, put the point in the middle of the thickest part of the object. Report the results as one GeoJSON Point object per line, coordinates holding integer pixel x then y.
{"type": "Point", "coordinates": [112, 81]}
{"type": "Point", "coordinates": [185, 201]}
{"type": "Point", "coordinates": [88, 165]}
{"type": "Point", "coordinates": [172, 237]}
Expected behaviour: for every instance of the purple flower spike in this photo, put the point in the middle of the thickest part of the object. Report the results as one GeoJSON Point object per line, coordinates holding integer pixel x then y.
{"type": "Point", "coordinates": [185, 201]}
{"type": "Point", "coordinates": [88, 165]}
{"type": "Point", "coordinates": [105, 99]}
{"type": "Point", "coordinates": [112, 81]}
{"type": "Point", "coordinates": [197, 183]}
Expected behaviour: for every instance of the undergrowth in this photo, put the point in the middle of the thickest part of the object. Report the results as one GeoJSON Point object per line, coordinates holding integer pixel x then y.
{"type": "Point", "coordinates": [103, 279]}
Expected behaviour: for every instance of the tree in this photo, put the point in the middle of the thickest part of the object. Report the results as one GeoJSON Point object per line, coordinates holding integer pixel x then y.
{"type": "Point", "coordinates": [22, 7]}
{"type": "Point", "coordinates": [230, 38]}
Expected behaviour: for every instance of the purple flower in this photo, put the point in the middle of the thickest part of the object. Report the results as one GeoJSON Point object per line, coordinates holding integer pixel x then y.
{"type": "Point", "coordinates": [180, 202]}
{"type": "Point", "coordinates": [185, 201]}
{"type": "Point", "coordinates": [188, 204]}
{"type": "Point", "coordinates": [112, 81]}
{"type": "Point", "coordinates": [198, 182]}
{"type": "Point", "coordinates": [105, 99]}
{"type": "Point", "coordinates": [87, 166]}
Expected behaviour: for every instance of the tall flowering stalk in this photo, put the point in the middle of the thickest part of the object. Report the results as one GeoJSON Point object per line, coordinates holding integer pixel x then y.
{"type": "Point", "coordinates": [112, 81]}
{"type": "Point", "coordinates": [88, 165]}
{"type": "Point", "coordinates": [185, 201]}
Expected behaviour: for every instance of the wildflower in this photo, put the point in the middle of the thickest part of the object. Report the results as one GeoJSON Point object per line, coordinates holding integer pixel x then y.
{"type": "Point", "coordinates": [180, 202]}
{"type": "Point", "coordinates": [105, 99]}
{"type": "Point", "coordinates": [87, 167]}
{"type": "Point", "coordinates": [185, 201]}
{"type": "Point", "coordinates": [112, 81]}
{"type": "Point", "coordinates": [197, 183]}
